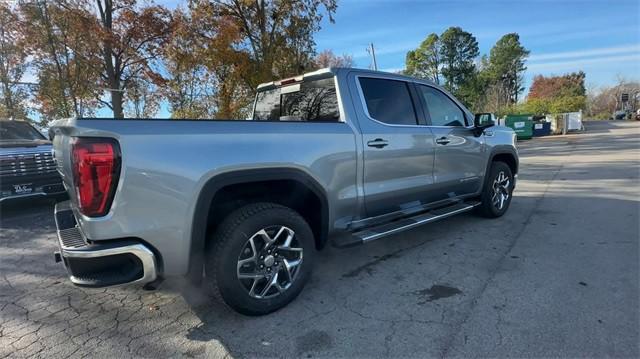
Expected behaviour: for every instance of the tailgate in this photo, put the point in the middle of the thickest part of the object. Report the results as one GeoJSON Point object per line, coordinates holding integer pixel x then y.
{"type": "Point", "coordinates": [62, 154]}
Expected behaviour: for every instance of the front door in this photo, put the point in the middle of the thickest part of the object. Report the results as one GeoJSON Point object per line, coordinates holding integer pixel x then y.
{"type": "Point", "coordinates": [398, 153]}
{"type": "Point", "coordinates": [460, 155]}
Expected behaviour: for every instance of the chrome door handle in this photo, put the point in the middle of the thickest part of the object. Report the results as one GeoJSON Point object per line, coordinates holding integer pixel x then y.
{"type": "Point", "coordinates": [378, 143]}
{"type": "Point", "coordinates": [442, 141]}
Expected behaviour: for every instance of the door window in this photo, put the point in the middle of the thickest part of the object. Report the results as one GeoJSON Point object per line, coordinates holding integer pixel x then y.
{"type": "Point", "coordinates": [388, 101]}
{"type": "Point", "coordinates": [442, 110]}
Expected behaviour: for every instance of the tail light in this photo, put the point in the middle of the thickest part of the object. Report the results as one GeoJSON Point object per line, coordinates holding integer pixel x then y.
{"type": "Point", "coordinates": [96, 169]}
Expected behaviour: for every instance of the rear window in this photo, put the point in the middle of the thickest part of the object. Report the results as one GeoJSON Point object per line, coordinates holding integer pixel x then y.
{"type": "Point", "coordinates": [307, 101]}
{"type": "Point", "coordinates": [18, 130]}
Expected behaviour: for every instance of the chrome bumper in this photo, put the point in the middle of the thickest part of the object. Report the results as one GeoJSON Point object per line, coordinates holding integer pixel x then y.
{"type": "Point", "coordinates": [101, 264]}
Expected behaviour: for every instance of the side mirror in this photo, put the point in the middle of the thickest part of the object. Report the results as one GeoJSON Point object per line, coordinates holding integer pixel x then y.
{"type": "Point", "coordinates": [481, 122]}
{"type": "Point", "coordinates": [484, 120]}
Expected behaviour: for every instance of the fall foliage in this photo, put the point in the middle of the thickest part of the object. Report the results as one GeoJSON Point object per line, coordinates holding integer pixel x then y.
{"type": "Point", "coordinates": [13, 64]}
{"type": "Point", "coordinates": [201, 60]}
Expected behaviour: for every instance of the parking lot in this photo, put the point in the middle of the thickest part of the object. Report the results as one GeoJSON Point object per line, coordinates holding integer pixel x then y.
{"type": "Point", "coordinates": [558, 275]}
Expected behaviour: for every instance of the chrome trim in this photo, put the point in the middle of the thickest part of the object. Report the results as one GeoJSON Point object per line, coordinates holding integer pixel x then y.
{"type": "Point", "coordinates": [30, 195]}
{"type": "Point", "coordinates": [78, 248]}
{"type": "Point", "coordinates": [40, 149]}
{"type": "Point", "coordinates": [408, 81]}
{"type": "Point", "coordinates": [418, 223]}
{"type": "Point", "coordinates": [364, 103]}
{"type": "Point", "coordinates": [143, 253]}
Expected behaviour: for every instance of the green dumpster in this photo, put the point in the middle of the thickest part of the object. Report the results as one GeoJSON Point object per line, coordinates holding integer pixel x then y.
{"type": "Point", "coordinates": [521, 124]}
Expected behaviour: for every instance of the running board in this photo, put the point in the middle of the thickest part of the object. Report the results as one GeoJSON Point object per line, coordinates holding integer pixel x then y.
{"type": "Point", "coordinates": [377, 232]}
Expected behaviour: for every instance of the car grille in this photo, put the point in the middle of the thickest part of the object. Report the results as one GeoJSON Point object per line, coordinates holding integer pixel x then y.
{"type": "Point", "coordinates": [38, 168]}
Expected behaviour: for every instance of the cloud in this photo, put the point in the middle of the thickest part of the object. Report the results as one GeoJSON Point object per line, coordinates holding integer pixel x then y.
{"type": "Point", "coordinates": [579, 64]}
{"type": "Point", "coordinates": [625, 49]}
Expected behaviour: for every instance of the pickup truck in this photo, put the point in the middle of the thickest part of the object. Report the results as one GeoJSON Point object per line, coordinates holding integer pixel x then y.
{"type": "Point", "coordinates": [341, 156]}
{"type": "Point", "coordinates": [27, 169]}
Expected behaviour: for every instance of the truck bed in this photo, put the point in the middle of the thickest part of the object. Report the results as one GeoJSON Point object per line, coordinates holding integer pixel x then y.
{"type": "Point", "coordinates": [165, 164]}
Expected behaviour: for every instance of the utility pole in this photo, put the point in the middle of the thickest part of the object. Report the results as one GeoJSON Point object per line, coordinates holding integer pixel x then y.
{"type": "Point", "coordinates": [372, 52]}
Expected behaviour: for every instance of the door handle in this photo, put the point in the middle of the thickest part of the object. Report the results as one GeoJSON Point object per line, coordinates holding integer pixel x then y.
{"type": "Point", "coordinates": [442, 140]}
{"type": "Point", "coordinates": [378, 143]}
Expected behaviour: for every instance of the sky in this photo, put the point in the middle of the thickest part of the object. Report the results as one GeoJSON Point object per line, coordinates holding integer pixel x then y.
{"type": "Point", "coordinates": [599, 37]}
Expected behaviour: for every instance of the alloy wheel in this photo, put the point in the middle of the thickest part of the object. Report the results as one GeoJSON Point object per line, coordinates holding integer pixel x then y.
{"type": "Point", "coordinates": [500, 190]}
{"type": "Point", "coordinates": [269, 262]}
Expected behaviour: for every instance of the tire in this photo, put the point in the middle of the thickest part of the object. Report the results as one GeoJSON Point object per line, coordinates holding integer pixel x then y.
{"type": "Point", "coordinates": [495, 183]}
{"type": "Point", "coordinates": [243, 237]}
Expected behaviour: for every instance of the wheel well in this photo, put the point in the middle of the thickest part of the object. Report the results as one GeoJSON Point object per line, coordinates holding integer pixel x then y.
{"type": "Point", "coordinates": [508, 159]}
{"type": "Point", "coordinates": [287, 192]}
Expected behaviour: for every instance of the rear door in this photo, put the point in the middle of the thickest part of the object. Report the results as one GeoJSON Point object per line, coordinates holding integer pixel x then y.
{"type": "Point", "coordinates": [459, 154]}
{"type": "Point", "coordinates": [398, 152]}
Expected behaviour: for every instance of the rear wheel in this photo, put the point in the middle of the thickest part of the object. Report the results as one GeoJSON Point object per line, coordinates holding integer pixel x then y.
{"type": "Point", "coordinates": [497, 192]}
{"type": "Point", "coordinates": [260, 259]}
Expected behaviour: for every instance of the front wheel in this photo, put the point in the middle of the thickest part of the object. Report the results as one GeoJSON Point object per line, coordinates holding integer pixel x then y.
{"type": "Point", "coordinates": [497, 192]}
{"type": "Point", "coordinates": [260, 259]}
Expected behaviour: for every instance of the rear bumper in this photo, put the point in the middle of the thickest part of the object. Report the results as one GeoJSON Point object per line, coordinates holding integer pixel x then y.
{"type": "Point", "coordinates": [49, 190]}
{"type": "Point", "coordinates": [104, 264]}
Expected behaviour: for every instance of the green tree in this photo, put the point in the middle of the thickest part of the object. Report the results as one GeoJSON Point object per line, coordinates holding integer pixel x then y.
{"type": "Point", "coordinates": [458, 51]}
{"type": "Point", "coordinates": [424, 62]}
{"type": "Point", "coordinates": [506, 67]}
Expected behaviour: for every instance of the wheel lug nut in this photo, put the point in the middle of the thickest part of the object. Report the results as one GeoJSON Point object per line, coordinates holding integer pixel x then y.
{"type": "Point", "coordinates": [269, 269]}
{"type": "Point", "coordinates": [262, 266]}
{"type": "Point", "coordinates": [261, 257]}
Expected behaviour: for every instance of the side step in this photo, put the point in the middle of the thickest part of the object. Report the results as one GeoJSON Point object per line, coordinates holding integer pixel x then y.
{"type": "Point", "coordinates": [383, 230]}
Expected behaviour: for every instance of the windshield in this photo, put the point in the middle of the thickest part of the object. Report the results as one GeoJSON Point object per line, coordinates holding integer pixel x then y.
{"type": "Point", "coordinates": [18, 130]}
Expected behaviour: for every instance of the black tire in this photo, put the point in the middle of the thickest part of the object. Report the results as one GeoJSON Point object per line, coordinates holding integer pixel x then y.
{"type": "Point", "coordinates": [488, 208]}
{"type": "Point", "coordinates": [230, 240]}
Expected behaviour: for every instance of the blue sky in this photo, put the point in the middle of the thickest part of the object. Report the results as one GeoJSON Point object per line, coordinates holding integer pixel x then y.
{"type": "Point", "coordinates": [601, 38]}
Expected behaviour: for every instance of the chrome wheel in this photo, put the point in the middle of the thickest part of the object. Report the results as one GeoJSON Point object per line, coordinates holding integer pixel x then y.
{"type": "Point", "coordinates": [501, 192]}
{"type": "Point", "coordinates": [269, 262]}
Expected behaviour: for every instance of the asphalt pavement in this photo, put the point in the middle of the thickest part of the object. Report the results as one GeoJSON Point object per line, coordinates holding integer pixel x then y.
{"type": "Point", "coordinates": [557, 276]}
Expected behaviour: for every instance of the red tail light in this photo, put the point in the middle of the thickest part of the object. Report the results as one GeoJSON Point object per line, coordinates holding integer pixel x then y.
{"type": "Point", "coordinates": [96, 169]}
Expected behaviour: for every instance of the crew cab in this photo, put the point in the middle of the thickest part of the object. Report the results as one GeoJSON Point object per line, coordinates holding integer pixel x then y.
{"type": "Point", "coordinates": [340, 156]}
{"type": "Point", "coordinates": [27, 169]}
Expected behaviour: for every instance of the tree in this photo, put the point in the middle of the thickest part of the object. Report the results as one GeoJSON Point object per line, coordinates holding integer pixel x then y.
{"type": "Point", "coordinates": [142, 99]}
{"type": "Point", "coordinates": [327, 58]}
{"type": "Point", "coordinates": [424, 62]}
{"type": "Point", "coordinates": [554, 94]}
{"type": "Point", "coordinates": [603, 102]}
{"type": "Point", "coordinates": [458, 51]}
{"type": "Point", "coordinates": [506, 67]}
{"type": "Point", "coordinates": [277, 35]}
{"type": "Point", "coordinates": [131, 39]}
{"type": "Point", "coordinates": [62, 41]}
{"type": "Point", "coordinates": [205, 65]}
{"type": "Point", "coordinates": [13, 64]}
{"type": "Point", "coordinates": [556, 86]}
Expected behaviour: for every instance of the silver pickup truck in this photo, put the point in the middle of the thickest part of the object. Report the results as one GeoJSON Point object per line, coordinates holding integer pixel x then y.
{"type": "Point", "coordinates": [339, 156]}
